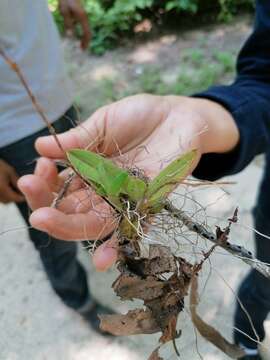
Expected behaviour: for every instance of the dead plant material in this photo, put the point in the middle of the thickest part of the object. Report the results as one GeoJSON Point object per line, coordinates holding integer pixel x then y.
{"type": "Point", "coordinates": [32, 98]}
{"type": "Point", "coordinates": [135, 322]}
{"type": "Point", "coordinates": [161, 281]}
{"type": "Point", "coordinates": [207, 331]}
{"type": "Point", "coordinates": [236, 250]}
{"type": "Point", "coordinates": [155, 355]}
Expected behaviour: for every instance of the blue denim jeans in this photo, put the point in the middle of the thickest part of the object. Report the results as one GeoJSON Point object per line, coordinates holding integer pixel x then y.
{"type": "Point", "coordinates": [254, 291]}
{"type": "Point", "coordinates": [64, 271]}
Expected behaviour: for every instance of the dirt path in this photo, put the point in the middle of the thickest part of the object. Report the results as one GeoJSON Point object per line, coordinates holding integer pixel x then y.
{"type": "Point", "coordinates": [34, 324]}
{"type": "Point", "coordinates": [127, 70]}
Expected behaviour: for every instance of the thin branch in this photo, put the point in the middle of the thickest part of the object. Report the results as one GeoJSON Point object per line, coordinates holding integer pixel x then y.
{"type": "Point", "coordinates": [235, 250]}
{"type": "Point", "coordinates": [33, 99]}
{"type": "Point", "coordinates": [63, 191]}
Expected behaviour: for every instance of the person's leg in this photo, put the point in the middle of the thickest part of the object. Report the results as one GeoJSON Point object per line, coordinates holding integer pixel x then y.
{"type": "Point", "coordinates": [254, 291]}
{"type": "Point", "coordinates": [65, 273]}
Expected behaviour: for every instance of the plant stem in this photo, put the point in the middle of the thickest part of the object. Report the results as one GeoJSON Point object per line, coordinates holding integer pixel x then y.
{"type": "Point", "coordinates": [36, 105]}
{"type": "Point", "coordinates": [235, 250]}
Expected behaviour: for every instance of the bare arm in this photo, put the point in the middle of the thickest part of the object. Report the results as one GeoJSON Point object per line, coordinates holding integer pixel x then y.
{"type": "Point", "coordinates": [74, 13]}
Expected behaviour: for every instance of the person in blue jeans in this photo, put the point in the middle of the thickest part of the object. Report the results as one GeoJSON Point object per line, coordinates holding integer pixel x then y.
{"type": "Point", "coordinates": [65, 273]}
{"type": "Point", "coordinates": [228, 125]}
{"type": "Point", "coordinates": [29, 37]}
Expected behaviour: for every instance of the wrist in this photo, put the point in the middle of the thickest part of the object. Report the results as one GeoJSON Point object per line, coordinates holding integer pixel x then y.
{"type": "Point", "coordinates": [212, 127]}
{"type": "Point", "coordinates": [220, 133]}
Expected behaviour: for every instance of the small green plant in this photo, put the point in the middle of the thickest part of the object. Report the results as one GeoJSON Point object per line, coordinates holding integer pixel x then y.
{"type": "Point", "coordinates": [119, 187]}
{"type": "Point", "coordinates": [194, 56]}
{"type": "Point", "coordinates": [226, 60]}
{"type": "Point", "coordinates": [150, 80]}
{"type": "Point", "coordinates": [108, 89]}
{"type": "Point", "coordinates": [186, 5]}
{"type": "Point", "coordinates": [228, 8]}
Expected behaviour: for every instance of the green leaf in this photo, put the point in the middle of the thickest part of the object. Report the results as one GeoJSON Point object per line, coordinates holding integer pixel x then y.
{"type": "Point", "coordinates": [93, 160]}
{"type": "Point", "coordinates": [86, 164]}
{"type": "Point", "coordinates": [135, 188]}
{"type": "Point", "coordinates": [113, 185]}
{"type": "Point", "coordinates": [107, 178]}
{"type": "Point", "coordinates": [160, 187]}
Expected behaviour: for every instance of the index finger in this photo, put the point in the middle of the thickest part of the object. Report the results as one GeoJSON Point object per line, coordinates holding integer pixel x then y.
{"type": "Point", "coordinates": [74, 227]}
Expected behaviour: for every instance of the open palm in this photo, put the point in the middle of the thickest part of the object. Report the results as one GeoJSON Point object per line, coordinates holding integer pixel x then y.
{"type": "Point", "coordinates": [143, 131]}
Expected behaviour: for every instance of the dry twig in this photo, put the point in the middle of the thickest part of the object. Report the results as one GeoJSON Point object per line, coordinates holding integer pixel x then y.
{"type": "Point", "coordinates": [36, 105]}
{"type": "Point", "coordinates": [235, 250]}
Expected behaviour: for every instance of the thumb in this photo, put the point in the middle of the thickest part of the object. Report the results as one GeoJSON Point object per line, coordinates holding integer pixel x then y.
{"type": "Point", "coordinates": [106, 254]}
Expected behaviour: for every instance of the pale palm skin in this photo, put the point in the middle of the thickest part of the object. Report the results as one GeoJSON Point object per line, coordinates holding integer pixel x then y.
{"type": "Point", "coordinates": [149, 131]}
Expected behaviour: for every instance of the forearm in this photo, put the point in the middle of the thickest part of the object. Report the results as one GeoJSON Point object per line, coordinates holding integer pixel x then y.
{"type": "Point", "coordinates": [250, 110]}
{"type": "Point", "coordinates": [247, 101]}
{"type": "Point", "coordinates": [74, 13]}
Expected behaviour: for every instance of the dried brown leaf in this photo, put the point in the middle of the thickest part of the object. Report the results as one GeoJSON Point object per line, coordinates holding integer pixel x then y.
{"type": "Point", "coordinates": [162, 282]}
{"type": "Point", "coordinates": [160, 261]}
{"type": "Point", "coordinates": [137, 321]}
{"type": "Point", "coordinates": [169, 333]}
{"type": "Point", "coordinates": [154, 266]}
{"type": "Point", "coordinates": [207, 331]}
{"type": "Point", "coordinates": [130, 287]}
{"type": "Point", "coordinates": [155, 355]}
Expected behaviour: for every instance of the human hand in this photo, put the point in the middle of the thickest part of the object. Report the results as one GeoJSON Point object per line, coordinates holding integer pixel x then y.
{"type": "Point", "coordinates": [73, 13]}
{"type": "Point", "coordinates": [142, 131]}
{"type": "Point", "coordinates": [9, 191]}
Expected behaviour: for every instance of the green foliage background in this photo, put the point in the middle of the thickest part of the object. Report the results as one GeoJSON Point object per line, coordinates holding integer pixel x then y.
{"type": "Point", "coordinates": [110, 19]}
